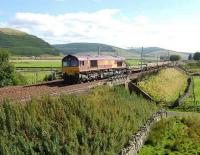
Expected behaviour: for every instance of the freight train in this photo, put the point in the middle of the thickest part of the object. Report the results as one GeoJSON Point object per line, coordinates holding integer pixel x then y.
{"type": "Point", "coordinates": [77, 69]}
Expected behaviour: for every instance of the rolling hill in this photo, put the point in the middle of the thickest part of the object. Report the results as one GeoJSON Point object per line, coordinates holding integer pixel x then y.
{"type": "Point", "coordinates": [133, 53]}
{"type": "Point", "coordinates": [21, 43]}
{"type": "Point", "coordinates": [157, 51]}
{"type": "Point", "coordinates": [92, 49]}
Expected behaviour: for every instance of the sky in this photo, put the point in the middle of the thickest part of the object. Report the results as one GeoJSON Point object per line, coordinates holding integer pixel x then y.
{"type": "Point", "coordinates": [170, 24]}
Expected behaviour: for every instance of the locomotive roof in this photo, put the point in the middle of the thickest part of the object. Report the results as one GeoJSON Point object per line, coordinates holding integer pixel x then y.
{"type": "Point", "coordinates": [100, 57]}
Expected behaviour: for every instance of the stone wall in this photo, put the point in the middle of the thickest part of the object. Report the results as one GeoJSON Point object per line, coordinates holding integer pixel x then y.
{"type": "Point", "coordinates": [180, 100]}
{"type": "Point", "coordinates": [137, 140]}
{"type": "Point", "coordinates": [133, 87]}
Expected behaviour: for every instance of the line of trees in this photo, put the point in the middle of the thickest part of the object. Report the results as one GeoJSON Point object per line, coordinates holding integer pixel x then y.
{"type": "Point", "coordinates": [175, 57]}
{"type": "Point", "coordinates": [196, 56]}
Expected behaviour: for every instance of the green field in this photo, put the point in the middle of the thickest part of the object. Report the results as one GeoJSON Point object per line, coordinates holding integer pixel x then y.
{"type": "Point", "coordinates": [194, 92]}
{"type": "Point", "coordinates": [99, 122]}
{"type": "Point", "coordinates": [174, 136]}
{"type": "Point", "coordinates": [166, 86]}
{"type": "Point", "coordinates": [192, 66]}
{"type": "Point", "coordinates": [35, 77]}
{"type": "Point", "coordinates": [133, 62]}
{"type": "Point", "coordinates": [192, 102]}
{"type": "Point", "coordinates": [37, 63]}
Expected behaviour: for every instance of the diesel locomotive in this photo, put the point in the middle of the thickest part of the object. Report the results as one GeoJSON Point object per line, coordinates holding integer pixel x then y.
{"type": "Point", "coordinates": [88, 68]}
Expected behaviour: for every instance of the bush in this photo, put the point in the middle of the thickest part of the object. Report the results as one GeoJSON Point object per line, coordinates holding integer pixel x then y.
{"type": "Point", "coordinates": [6, 69]}
{"type": "Point", "coordinates": [50, 77]}
{"type": "Point", "coordinates": [8, 76]}
{"type": "Point", "coordinates": [196, 56]}
{"type": "Point", "coordinates": [175, 57]}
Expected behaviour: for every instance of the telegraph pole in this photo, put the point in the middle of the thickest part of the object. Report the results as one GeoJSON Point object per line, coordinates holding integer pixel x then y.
{"type": "Point", "coordinates": [157, 60]}
{"type": "Point", "coordinates": [168, 56]}
{"type": "Point", "coordinates": [141, 63]}
{"type": "Point", "coordinates": [141, 58]}
{"type": "Point", "coordinates": [99, 50]}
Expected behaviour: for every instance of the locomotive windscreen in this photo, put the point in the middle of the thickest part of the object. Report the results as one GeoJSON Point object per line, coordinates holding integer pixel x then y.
{"type": "Point", "coordinates": [70, 62]}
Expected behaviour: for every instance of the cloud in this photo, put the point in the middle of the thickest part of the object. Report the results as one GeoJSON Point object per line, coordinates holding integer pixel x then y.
{"type": "Point", "coordinates": [108, 26]}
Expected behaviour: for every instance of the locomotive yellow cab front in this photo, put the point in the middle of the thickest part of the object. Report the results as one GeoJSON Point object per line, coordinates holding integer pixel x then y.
{"type": "Point", "coordinates": [70, 69]}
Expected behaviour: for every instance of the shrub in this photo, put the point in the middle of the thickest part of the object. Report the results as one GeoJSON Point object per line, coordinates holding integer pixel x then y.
{"type": "Point", "coordinates": [196, 56]}
{"type": "Point", "coordinates": [175, 57]}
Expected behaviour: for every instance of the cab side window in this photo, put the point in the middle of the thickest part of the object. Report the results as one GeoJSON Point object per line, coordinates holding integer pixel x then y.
{"type": "Point", "coordinates": [93, 63]}
{"type": "Point", "coordinates": [119, 63]}
{"type": "Point", "coordinates": [82, 63]}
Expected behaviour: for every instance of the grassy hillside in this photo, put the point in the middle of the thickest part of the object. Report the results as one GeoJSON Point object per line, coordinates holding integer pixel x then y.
{"type": "Point", "coordinates": [166, 86]}
{"type": "Point", "coordinates": [157, 51]}
{"type": "Point", "coordinates": [150, 53]}
{"type": "Point", "coordinates": [100, 122]}
{"type": "Point", "coordinates": [20, 43]}
{"type": "Point", "coordinates": [92, 49]}
{"type": "Point", "coordinates": [174, 136]}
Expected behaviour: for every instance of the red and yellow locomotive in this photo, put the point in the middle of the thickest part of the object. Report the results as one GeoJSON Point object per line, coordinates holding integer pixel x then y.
{"type": "Point", "coordinates": [87, 68]}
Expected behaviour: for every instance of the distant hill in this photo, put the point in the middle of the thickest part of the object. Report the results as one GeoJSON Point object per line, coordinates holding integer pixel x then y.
{"type": "Point", "coordinates": [92, 49]}
{"type": "Point", "coordinates": [157, 51]}
{"type": "Point", "coordinates": [21, 43]}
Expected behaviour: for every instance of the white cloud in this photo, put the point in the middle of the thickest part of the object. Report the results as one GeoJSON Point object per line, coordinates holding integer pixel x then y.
{"type": "Point", "coordinates": [111, 27]}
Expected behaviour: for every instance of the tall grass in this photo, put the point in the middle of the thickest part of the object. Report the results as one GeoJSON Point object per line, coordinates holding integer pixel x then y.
{"type": "Point", "coordinates": [166, 86]}
{"type": "Point", "coordinates": [35, 77]}
{"type": "Point", "coordinates": [174, 136]}
{"type": "Point", "coordinates": [100, 122]}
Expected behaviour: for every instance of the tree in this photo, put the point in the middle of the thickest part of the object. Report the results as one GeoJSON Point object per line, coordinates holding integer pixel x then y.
{"type": "Point", "coordinates": [7, 71]}
{"type": "Point", "coordinates": [175, 57]}
{"type": "Point", "coordinates": [190, 57]}
{"type": "Point", "coordinates": [196, 56]}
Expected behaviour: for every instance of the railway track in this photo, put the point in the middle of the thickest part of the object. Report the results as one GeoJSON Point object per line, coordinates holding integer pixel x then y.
{"type": "Point", "coordinates": [54, 88]}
